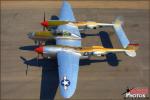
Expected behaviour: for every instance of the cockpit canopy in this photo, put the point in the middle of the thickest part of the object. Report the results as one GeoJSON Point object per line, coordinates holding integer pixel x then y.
{"type": "Point", "coordinates": [63, 33]}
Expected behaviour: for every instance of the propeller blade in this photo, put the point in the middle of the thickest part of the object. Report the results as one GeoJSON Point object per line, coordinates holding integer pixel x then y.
{"type": "Point", "coordinates": [44, 21]}
{"type": "Point", "coordinates": [27, 70]}
{"type": "Point", "coordinates": [44, 15]}
{"type": "Point", "coordinates": [37, 58]}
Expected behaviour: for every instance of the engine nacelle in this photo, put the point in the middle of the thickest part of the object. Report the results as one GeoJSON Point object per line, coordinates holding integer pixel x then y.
{"type": "Point", "coordinates": [41, 36]}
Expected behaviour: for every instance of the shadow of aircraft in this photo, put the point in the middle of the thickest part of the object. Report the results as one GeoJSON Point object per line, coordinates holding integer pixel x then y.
{"type": "Point", "coordinates": [28, 48]}
{"type": "Point", "coordinates": [83, 35]}
{"type": "Point", "coordinates": [84, 62]}
{"type": "Point", "coordinates": [32, 47]}
{"type": "Point", "coordinates": [106, 42]}
{"type": "Point", "coordinates": [53, 17]}
{"type": "Point", "coordinates": [50, 78]}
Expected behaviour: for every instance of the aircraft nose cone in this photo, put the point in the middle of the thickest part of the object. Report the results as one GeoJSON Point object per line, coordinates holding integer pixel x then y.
{"type": "Point", "coordinates": [45, 23]}
{"type": "Point", "coordinates": [39, 49]}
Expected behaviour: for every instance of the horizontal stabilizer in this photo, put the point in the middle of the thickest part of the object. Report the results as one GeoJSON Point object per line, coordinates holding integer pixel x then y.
{"type": "Point", "coordinates": [120, 33]}
{"type": "Point", "coordinates": [131, 50]}
{"type": "Point", "coordinates": [131, 53]}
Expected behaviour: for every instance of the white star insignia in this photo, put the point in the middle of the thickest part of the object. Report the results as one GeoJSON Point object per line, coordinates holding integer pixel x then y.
{"type": "Point", "coordinates": [65, 82]}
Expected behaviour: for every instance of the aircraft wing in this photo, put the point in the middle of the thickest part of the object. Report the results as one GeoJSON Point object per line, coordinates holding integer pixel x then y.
{"type": "Point", "coordinates": [68, 63]}
{"type": "Point", "coordinates": [66, 12]}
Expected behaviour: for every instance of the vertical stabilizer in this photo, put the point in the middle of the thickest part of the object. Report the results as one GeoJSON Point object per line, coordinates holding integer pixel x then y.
{"type": "Point", "coordinates": [120, 32]}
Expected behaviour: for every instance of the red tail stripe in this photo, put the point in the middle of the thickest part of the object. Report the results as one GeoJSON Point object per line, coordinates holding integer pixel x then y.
{"type": "Point", "coordinates": [134, 44]}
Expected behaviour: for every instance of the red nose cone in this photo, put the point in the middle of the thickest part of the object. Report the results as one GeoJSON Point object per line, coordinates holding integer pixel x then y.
{"type": "Point", "coordinates": [45, 23]}
{"type": "Point", "coordinates": [39, 49]}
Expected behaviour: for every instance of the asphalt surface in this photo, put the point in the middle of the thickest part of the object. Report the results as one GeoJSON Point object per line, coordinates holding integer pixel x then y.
{"type": "Point", "coordinates": [101, 78]}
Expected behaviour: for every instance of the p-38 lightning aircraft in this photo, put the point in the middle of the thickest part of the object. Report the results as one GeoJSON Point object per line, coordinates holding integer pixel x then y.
{"type": "Point", "coordinates": [68, 49]}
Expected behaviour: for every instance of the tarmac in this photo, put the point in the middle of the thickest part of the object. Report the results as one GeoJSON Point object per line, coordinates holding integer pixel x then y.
{"type": "Point", "coordinates": [100, 78]}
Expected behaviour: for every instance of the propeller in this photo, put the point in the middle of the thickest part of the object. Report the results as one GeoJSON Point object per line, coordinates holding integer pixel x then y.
{"type": "Point", "coordinates": [26, 62]}
{"type": "Point", "coordinates": [44, 23]}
